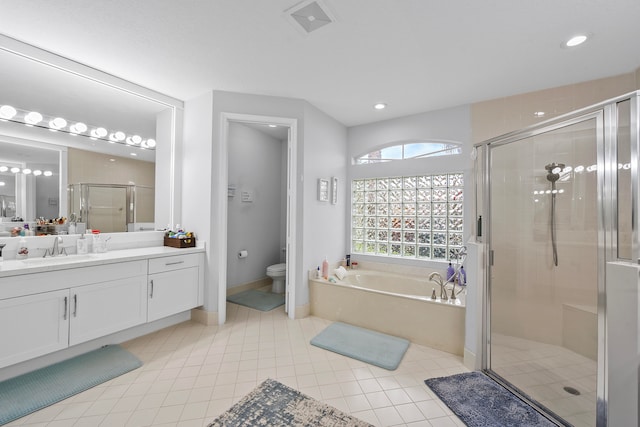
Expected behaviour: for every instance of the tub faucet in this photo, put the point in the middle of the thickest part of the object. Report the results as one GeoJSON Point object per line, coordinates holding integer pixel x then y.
{"type": "Point", "coordinates": [437, 278]}
{"type": "Point", "coordinates": [54, 251]}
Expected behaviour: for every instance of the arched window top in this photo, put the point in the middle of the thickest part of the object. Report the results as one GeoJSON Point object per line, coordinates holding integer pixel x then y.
{"type": "Point", "coordinates": [410, 150]}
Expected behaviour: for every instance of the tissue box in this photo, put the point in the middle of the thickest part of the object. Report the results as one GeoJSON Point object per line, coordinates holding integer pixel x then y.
{"type": "Point", "coordinates": [189, 242]}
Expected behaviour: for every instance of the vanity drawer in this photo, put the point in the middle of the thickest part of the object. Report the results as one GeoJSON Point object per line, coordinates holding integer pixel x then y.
{"type": "Point", "coordinates": [159, 265]}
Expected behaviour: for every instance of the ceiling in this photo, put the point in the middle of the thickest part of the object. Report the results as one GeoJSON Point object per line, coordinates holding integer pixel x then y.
{"type": "Point", "coordinates": [414, 55]}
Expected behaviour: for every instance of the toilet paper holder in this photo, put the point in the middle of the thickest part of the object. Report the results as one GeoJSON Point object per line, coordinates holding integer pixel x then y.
{"type": "Point", "coordinates": [242, 254]}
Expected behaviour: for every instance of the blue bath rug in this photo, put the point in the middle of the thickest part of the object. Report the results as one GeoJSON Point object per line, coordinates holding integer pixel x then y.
{"type": "Point", "coordinates": [263, 301]}
{"type": "Point", "coordinates": [481, 402]}
{"type": "Point", "coordinates": [24, 394]}
{"type": "Point", "coordinates": [385, 351]}
{"type": "Point", "coordinates": [275, 404]}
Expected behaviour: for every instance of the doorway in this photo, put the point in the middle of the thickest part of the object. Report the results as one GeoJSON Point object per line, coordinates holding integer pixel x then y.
{"type": "Point", "coordinates": [290, 202]}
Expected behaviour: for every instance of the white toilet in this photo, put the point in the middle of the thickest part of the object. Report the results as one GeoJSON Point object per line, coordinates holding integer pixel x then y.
{"type": "Point", "coordinates": [277, 272]}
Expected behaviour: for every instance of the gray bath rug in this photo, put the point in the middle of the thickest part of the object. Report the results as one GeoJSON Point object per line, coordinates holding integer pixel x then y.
{"type": "Point", "coordinates": [24, 394]}
{"type": "Point", "coordinates": [481, 402]}
{"type": "Point", "coordinates": [263, 301]}
{"type": "Point", "coordinates": [385, 351]}
{"type": "Point", "coordinates": [275, 404]}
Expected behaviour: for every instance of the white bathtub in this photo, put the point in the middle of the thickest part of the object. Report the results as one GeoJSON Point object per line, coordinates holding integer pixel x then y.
{"type": "Point", "coordinates": [394, 304]}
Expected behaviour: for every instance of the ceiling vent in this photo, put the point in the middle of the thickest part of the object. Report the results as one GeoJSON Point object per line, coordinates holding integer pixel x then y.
{"type": "Point", "coordinates": [309, 15]}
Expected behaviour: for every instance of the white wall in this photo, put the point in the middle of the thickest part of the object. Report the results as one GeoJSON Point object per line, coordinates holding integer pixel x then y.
{"type": "Point", "coordinates": [320, 152]}
{"type": "Point", "coordinates": [255, 166]}
{"type": "Point", "coordinates": [452, 124]}
{"type": "Point", "coordinates": [324, 223]}
{"type": "Point", "coordinates": [196, 179]}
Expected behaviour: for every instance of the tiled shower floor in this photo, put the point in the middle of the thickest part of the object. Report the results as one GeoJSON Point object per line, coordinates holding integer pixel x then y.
{"type": "Point", "coordinates": [192, 373]}
{"type": "Point", "coordinates": [543, 370]}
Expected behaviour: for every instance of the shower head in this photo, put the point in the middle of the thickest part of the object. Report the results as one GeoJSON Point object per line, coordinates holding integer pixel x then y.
{"type": "Point", "coordinates": [553, 171]}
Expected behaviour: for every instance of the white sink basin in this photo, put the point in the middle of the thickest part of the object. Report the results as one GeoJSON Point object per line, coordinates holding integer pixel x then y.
{"type": "Point", "coordinates": [60, 259]}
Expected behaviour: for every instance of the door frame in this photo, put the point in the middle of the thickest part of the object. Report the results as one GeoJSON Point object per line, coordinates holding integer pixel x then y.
{"type": "Point", "coordinates": [222, 202]}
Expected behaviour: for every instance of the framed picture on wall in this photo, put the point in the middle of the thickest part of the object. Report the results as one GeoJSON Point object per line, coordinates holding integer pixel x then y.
{"type": "Point", "coordinates": [334, 190]}
{"type": "Point", "coordinates": [323, 190]}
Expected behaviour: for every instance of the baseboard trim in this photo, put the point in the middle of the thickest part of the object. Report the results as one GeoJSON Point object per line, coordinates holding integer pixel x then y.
{"type": "Point", "coordinates": [256, 284]}
{"type": "Point", "coordinates": [470, 361]}
{"type": "Point", "coordinates": [302, 311]}
{"type": "Point", "coordinates": [208, 318]}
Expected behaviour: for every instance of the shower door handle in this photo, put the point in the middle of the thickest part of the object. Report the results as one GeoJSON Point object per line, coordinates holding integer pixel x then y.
{"type": "Point", "coordinates": [491, 257]}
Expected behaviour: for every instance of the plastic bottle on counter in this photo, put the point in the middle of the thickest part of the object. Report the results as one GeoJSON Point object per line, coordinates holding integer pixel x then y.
{"type": "Point", "coordinates": [325, 269]}
{"type": "Point", "coordinates": [450, 273]}
{"type": "Point", "coordinates": [23, 249]}
{"type": "Point", "coordinates": [462, 276]}
{"type": "Point", "coordinates": [82, 245]}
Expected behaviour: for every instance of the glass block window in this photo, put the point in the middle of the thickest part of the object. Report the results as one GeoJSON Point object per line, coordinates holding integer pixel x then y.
{"type": "Point", "coordinates": [409, 216]}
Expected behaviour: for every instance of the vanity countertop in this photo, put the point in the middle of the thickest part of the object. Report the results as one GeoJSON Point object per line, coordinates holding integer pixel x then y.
{"type": "Point", "coordinates": [10, 268]}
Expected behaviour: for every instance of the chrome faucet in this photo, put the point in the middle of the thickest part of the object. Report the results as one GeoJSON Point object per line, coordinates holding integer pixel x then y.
{"type": "Point", "coordinates": [54, 251]}
{"type": "Point", "coordinates": [437, 279]}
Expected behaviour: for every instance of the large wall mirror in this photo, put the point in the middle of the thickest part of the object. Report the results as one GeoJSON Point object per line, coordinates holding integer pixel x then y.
{"type": "Point", "coordinates": [110, 162]}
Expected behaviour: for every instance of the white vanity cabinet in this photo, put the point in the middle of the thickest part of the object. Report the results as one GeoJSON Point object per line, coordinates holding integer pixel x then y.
{"type": "Point", "coordinates": [33, 325]}
{"type": "Point", "coordinates": [174, 285]}
{"type": "Point", "coordinates": [108, 307]}
{"type": "Point", "coordinates": [44, 312]}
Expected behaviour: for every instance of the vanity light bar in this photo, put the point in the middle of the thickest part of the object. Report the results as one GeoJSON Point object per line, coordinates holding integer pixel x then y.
{"type": "Point", "coordinates": [25, 171]}
{"type": "Point", "coordinates": [58, 124]}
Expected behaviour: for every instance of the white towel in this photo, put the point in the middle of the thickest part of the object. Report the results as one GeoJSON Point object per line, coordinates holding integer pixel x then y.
{"type": "Point", "coordinates": [340, 272]}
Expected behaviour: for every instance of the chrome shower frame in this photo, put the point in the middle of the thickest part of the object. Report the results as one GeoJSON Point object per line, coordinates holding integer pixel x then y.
{"type": "Point", "coordinates": [605, 115]}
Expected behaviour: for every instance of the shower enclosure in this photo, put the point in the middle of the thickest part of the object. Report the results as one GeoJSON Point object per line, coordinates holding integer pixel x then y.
{"type": "Point", "coordinates": [559, 204]}
{"type": "Point", "coordinates": [113, 207]}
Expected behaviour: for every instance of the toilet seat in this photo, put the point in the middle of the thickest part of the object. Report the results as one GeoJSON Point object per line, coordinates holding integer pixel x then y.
{"type": "Point", "coordinates": [277, 268]}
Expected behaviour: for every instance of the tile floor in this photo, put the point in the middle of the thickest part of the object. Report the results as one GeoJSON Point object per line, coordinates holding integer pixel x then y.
{"type": "Point", "coordinates": [192, 373]}
{"type": "Point", "coordinates": [543, 370]}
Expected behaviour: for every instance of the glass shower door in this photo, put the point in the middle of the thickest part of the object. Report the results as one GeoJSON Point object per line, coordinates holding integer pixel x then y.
{"type": "Point", "coordinates": [544, 278]}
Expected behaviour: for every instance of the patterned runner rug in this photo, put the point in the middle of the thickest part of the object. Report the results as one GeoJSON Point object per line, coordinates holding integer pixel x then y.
{"type": "Point", "coordinates": [275, 404]}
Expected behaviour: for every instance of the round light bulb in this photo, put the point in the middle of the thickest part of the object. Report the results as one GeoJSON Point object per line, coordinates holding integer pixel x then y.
{"type": "Point", "coordinates": [78, 128]}
{"type": "Point", "coordinates": [151, 143]}
{"type": "Point", "coordinates": [47, 173]}
{"type": "Point", "coordinates": [57, 123]}
{"type": "Point", "coordinates": [26, 171]}
{"type": "Point", "coordinates": [7, 112]}
{"type": "Point", "coordinates": [99, 133]}
{"type": "Point", "coordinates": [120, 136]}
{"type": "Point", "coordinates": [15, 170]}
{"type": "Point", "coordinates": [579, 169]}
{"type": "Point", "coordinates": [576, 40]}
{"type": "Point", "coordinates": [137, 139]}
{"type": "Point", "coordinates": [33, 118]}
{"type": "Point", "coordinates": [2, 184]}
{"type": "Point", "coordinates": [37, 172]}
{"type": "Point", "coordinates": [380, 106]}
{"type": "Point", "coordinates": [3, 168]}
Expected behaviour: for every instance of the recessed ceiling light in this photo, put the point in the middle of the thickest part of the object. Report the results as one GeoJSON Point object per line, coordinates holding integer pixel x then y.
{"type": "Point", "coordinates": [539, 114]}
{"type": "Point", "coordinates": [273, 126]}
{"type": "Point", "coordinates": [134, 154]}
{"type": "Point", "coordinates": [380, 106]}
{"type": "Point", "coordinates": [576, 40]}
